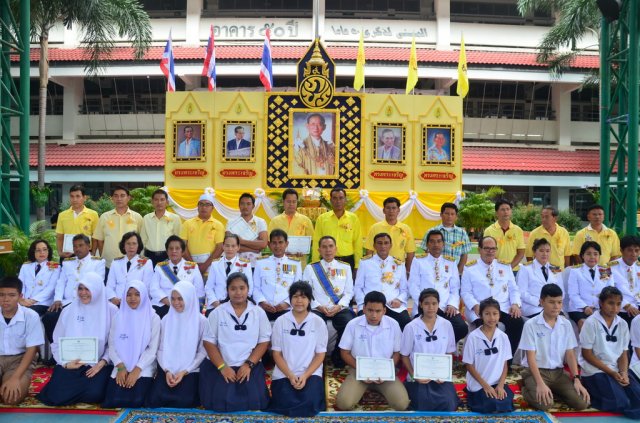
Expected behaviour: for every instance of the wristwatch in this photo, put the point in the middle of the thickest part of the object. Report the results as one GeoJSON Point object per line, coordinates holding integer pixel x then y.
{"type": "Point", "coordinates": [576, 377]}
{"type": "Point", "coordinates": [250, 363]}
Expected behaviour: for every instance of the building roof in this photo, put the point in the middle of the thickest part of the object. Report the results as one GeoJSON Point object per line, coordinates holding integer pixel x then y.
{"type": "Point", "coordinates": [290, 52]}
{"type": "Point", "coordinates": [488, 159]}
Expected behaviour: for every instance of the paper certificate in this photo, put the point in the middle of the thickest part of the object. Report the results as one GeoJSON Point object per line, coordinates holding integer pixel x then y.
{"type": "Point", "coordinates": [83, 349]}
{"type": "Point", "coordinates": [635, 368]}
{"type": "Point", "coordinates": [433, 366]}
{"type": "Point", "coordinates": [67, 245]}
{"type": "Point", "coordinates": [299, 244]}
{"type": "Point", "coordinates": [243, 230]}
{"type": "Point", "coordinates": [368, 368]}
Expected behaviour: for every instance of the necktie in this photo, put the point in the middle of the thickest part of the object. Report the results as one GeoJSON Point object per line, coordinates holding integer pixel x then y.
{"type": "Point", "coordinates": [611, 337]}
{"type": "Point", "coordinates": [298, 332]}
{"type": "Point", "coordinates": [175, 270]}
{"type": "Point", "coordinates": [228, 269]}
{"type": "Point", "coordinates": [238, 325]}
{"type": "Point", "coordinates": [593, 273]}
{"type": "Point", "coordinates": [545, 273]}
{"type": "Point", "coordinates": [490, 349]}
{"type": "Point", "coordinates": [430, 336]}
{"type": "Point", "coordinates": [38, 267]}
{"type": "Point", "coordinates": [128, 265]}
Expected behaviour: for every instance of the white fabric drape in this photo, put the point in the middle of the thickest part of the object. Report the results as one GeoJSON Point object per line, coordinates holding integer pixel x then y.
{"type": "Point", "coordinates": [405, 210]}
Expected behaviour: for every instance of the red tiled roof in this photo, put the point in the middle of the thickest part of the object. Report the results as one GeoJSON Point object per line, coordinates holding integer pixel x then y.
{"type": "Point", "coordinates": [473, 158]}
{"type": "Point", "coordinates": [284, 52]}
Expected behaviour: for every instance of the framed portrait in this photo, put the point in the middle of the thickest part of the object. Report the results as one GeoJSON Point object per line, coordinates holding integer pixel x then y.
{"type": "Point", "coordinates": [313, 143]}
{"type": "Point", "coordinates": [189, 141]}
{"type": "Point", "coordinates": [389, 144]}
{"type": "Point", "coordinates": [438, 145]}
{"type": "Point", "coordinates": [239, 141]}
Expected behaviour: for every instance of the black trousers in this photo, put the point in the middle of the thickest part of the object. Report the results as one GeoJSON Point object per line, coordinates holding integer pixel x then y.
{"type": "Point", "coordinates": [339, 321]}
{"type": "Point", "coordinates": [351, 260]}
{"type": "Point", "coordinates": [155, 256]}
{"type": "Point", "coordinates": [512, 327]}
{"type": "Point", "coordinates": [402, 318]}
{"type": "Point", "coordinates": [460, 328]}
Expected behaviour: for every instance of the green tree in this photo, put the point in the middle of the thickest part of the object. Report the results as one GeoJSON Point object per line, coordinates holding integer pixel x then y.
{"type": "Point", "coordinates": [100, 22]}
{"type": "Point", "coordinates": [476, 212]}
{"type": "Point", "coordinates": [10, 263]}
{"type": "Point", "coordinates": [141, 199]}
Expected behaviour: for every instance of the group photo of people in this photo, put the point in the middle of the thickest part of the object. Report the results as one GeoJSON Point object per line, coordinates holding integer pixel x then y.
{"type": "Point", "coordinates": [157, 311]}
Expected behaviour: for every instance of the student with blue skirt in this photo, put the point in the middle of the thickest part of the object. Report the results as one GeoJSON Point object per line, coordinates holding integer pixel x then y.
{"type": "Point", "coordinates": [180, 351]}
{"type": "Point", "coordinates": [486, 353]}
{"type": "Point", "coordinates": [430, 334]}
{"type": "Point", "coordinates": [604, 340]}
{"type": "Point", "coordinates": [299, 344]}
{"type": "Point", "coordinates": [134, 338]}
{"type": "Point", "coordinates": [232, 378]}
{"type": "Point", "coordinates": [88, 315]}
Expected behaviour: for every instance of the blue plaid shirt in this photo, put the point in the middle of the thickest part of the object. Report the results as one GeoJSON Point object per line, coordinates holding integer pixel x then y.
{"type": "Point", "coordinates": [456, 241]}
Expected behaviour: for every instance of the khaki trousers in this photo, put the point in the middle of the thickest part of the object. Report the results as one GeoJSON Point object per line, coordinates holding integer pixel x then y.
{"type": "Point", "coordinates": [8, 366]}
{"type": "Point", "coordinates": [352, 390]}
{"type": "Point", "coordinates": [559, 383]}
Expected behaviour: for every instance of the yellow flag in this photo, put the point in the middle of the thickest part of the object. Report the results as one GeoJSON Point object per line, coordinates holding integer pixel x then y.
{"type": "Point", "coordinates": [412, 76]}
{"type": "Point", "coordinates": [463, 79]}
{"type": "Point", "coordinates": [358, 79]}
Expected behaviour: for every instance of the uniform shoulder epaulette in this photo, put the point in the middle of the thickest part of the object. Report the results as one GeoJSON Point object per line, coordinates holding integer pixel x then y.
{"type": "Point", "coordinates": [118, 258]}
{"type": "Point", "coordinates": [96, 258]}
{"type": "Point", "coordinates": [190, 263]}
{"type": "Point", "coordinates": [576, 266]}
{"type": "Point", "coordinates": [507, 262]}
{"type": "Point", "coordinates": [162, 263]}
{"type": "Point", "coordinates": [603, 266]}
{"type": "Point", "coordinates": [27, 262]}
{"type": "Point", "coordinates": [398, 261]}
{"type": "Point", "coordinates": [420, 255]}
{"type": "Point", "coordinates": [69, 258]}
{"type": "Point", "coordinates": [470, 263]}
{"type": "Point", "coordinates": [143, 258]}
{"type": "Point", "coordinates": [613, 263]}
{"type": "Point", "coordinates": [219, 258]}
{"type": "Point", "coordinates": [263, 257]}
{"type": "Point", "coordinates": [367, 257]}
{"type": "Point", "coordinates": [529, 263]}
{"type": "Point", "coordinates": [340, 261]}
{"type": "Point", "coordinates": [450, 258]}
{"type": "Point", "coordinates": [295, 258]}
{"type": "Point", "coordinates": [244, 260]}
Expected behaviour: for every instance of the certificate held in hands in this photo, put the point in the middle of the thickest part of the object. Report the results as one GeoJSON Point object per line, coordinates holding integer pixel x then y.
{"type": "Point", "coordinates": [299, 245]}
{"type": "Point", "coordinates": [369, 368]}
{"type": "Point", "coordinates": [76, 348]}
{"type": "Point", "coordinates": [433, 367]}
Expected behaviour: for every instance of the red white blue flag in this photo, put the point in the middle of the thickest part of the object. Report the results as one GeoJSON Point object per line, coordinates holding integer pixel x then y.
{"type": "Point", "coordinates": [266, 75]}
{"type": "Point", "coordinates": [209, 68]}
{"type": "Point", "coordinates": [166, 65]}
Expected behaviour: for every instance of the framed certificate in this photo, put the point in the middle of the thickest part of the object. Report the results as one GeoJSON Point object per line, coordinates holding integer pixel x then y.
{"type": "Point", "coordinates": [299, 245]}
{"type": "Point", "coordinates": [83, 349]}
{"type": "Point", "coordinates": [67, 245]}
{"type": "Point", "coordinates": [433, 366]}
{"type": "Point", "coordinates": [369, 368]}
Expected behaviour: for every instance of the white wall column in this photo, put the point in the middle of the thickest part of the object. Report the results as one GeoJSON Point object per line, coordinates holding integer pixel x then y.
{"type": "Point", "coordinates": [561, 103]}
{"type": "Point", "coordinates": [560, 197]}
{"type": "Point", "coordinates": [71, 102]}
{"type": "Point", "coordinates": [443, 24]}
{"type": "Point", "coordinates": [192, 22]}
{"type": "Point", "coordinates": [319, 11]}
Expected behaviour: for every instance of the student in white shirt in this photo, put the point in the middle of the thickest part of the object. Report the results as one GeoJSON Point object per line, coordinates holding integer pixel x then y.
{"type": "Point", "coordinates": [232, 378]}
{"type": "Point", "coordinates": [134, 338]}
{"type": "Point", "coordinates": [625, 272]}
{"type": "Point", "coordinates": [486, 353]}
{"type": "Point", "coordinates": [428, 333]}
{"type": "Point", "coordinates": [216, 287]}
{"type": "Point", "coordinates": [635, 346]}
{"type": "Point", "coordinates": [371, 335]}
{"type": "Point", "coordinates": [20, 335]}
{"type": "Point", "coordinates": [180, 351]}
{"type": "Point", "coordinates": [39, 277]}
{"type": "Point", "coordinates": [88, 315]}
{"type": "Point", "coordinates": [605, 364]}
{"type": "Point", "coordinates": [129, 267]}
{"type": "Point", "coordinates": [533, 275]}
{"type": "Point", "coordinates": [299, 343]}
{"type": "Point", "coordinates": [585, 283]}
{"type": "Point", "coordinates": [549, 341]}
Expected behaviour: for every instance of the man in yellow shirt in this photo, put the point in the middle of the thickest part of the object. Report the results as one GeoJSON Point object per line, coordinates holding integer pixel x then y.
{"type": "Point", "coordinates": [292, 222]}
{"type": "Point", "coordinates": [203, 234]}
{"type": "Point", "coordinates": [598, 232]}
{"type": "Point", "coordinates": [509, 237]}
{"type": "Point", "coordinates": [115, 223]}
{"type": "Point", "coordinates": [344, 227]}
{"type": "Point", "coordinates": [78, 219]}
{"type": "Point", "coordinates": [557, 236]}
{"type": "Point", "coordinates": [157, 226]}
{"type": "Point", "coordinates": [403, 246]}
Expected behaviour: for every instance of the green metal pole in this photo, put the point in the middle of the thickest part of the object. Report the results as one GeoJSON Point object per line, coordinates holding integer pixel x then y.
{"type": "Point", "coordinates": [605, 95]}
{"type": "Point", "coordinates": [5, 101]}
{"type": "Point", "coordinates": [632, 136]}
{"type": "Point", "coordinates": [25, 20]}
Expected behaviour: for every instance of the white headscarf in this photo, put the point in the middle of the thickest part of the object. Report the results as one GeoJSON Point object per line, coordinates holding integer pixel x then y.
{"type": "Point", "coordinates": [133, 326]}
{"type": "Point", "coordinates": [93, 319]}
{"type": "Point", "coordinates": [181, 333]}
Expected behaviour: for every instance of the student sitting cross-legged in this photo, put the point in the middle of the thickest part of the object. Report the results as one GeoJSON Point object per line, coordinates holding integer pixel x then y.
{"type": "Point", "coordinates": [299, 343]}
{"type": "Point", "coordinates": [486, 353]}
{"type": "Point", "coordinates": [432, 334]}
{"type": "Point", "coordinates": [232, 378]}
{"type": "Point", "coordinates": [20, 335]}
{"type": "Point", "coordinates": [604, 340]}
{"type": "Point", "coordinates": [549, 341]}
{"type": "Point", "coordinates": [371, 335]}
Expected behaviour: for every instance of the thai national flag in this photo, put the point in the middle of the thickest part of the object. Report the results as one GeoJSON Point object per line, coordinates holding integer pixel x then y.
{"type": "Point", "coordinates": [166, 65]}
{"type": "Point", "coordinates": [265, 67]}
{"type": "Point", "coordinates": [209, 68]}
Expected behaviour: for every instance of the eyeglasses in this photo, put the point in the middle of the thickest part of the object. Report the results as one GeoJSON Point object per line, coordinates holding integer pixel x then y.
{"type": "Point", "coordinates": [205, 205]}
{"type": "Point", "coordinates": [490, 248]}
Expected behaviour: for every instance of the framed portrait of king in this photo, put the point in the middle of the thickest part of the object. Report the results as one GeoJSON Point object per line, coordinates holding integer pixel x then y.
{"type": "Point", "coordinates": [313, 143]}
{"type": "Point", "coordinates": [189, 141]}
{"type": "Point", "coordinates": [239, 141]}
{"type": "Point", "coordinates": [438, 145]}
{"type": "Point", "coordinates": [389, 143]}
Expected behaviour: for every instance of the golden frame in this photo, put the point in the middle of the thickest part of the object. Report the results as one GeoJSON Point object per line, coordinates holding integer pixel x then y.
{"type": "Point", "coordinates": [199, 128]}
{"type": "Point", "coordinates": [430, 155]}
{"type": "Point", "coordinates": [228, 130]}
{"type": "Point", "coordinates": [296, 124]}
{"type": "Point", "coordinates": [399, 130]}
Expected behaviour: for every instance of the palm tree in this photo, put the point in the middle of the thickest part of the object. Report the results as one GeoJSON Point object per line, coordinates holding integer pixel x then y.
{"type": "Point", "coordinates": [574, 18]}
{"type": "Point", "coordinates": [99, 21]}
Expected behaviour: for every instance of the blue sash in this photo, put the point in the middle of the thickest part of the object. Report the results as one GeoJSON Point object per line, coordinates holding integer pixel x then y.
{"type": "Point", "coordinates": [324, 281]}
{"type": "Point", "coordinates": [169, 273]}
